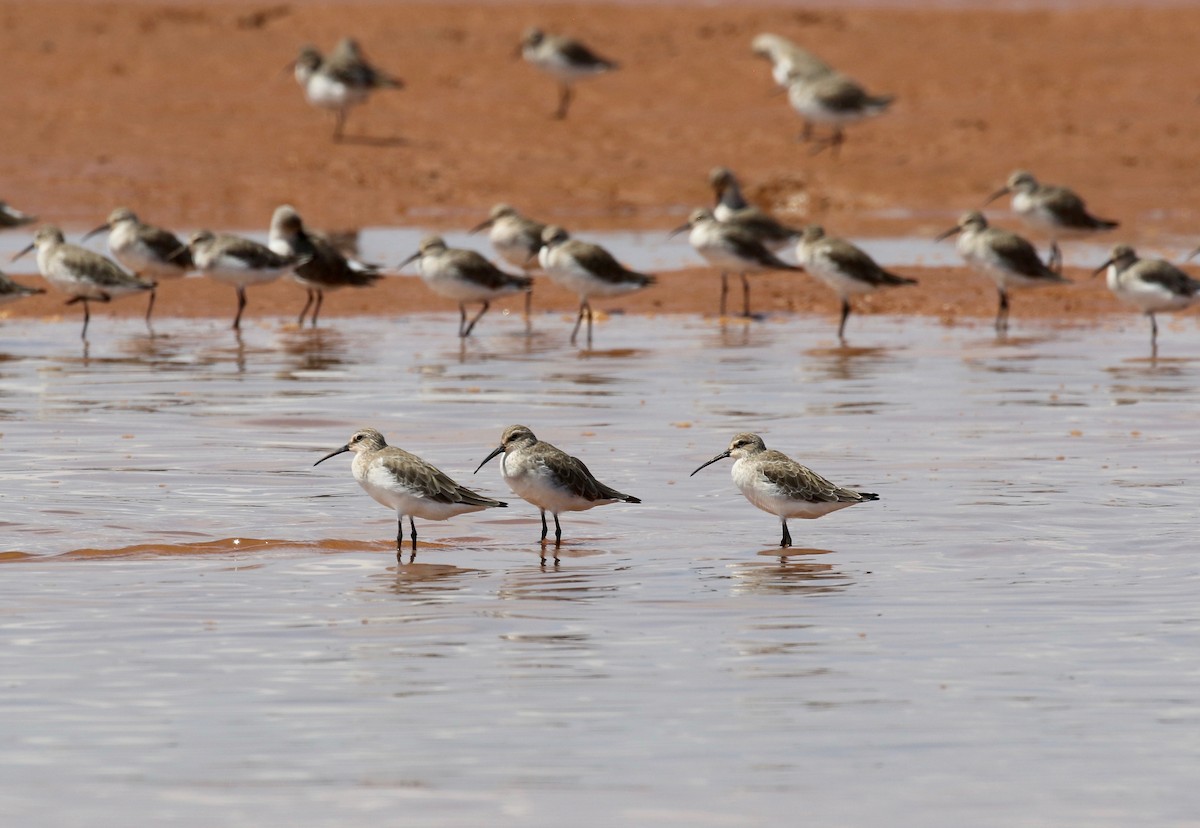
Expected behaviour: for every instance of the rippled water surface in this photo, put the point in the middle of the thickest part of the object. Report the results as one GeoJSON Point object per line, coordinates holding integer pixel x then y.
{"type": "Point", "coordinates": [199, 628]}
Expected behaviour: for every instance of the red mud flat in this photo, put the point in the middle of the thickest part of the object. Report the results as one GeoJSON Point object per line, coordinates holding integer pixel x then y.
{"type": "Point", "coordinates": [184, 112]}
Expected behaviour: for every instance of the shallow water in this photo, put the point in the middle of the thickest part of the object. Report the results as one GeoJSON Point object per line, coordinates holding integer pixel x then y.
{"type": "Point", "coordinates": [199, 627]}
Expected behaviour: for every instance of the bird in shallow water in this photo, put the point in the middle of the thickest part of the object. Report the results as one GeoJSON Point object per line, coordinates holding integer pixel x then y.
{"type": "Point", "coordinates": [834, 99]}
{"type": "Point", "coordinates": [326, 268]}
{"type": "Point", "coordinates": [1151, 285]}
{"type": "Point", "coordinates": [564, 59]}
{"type": "Point", "coordinates": [407, 484]}
{"type": "Point", "coordinates": [149, 252]}
{"type": "Point", "coordinates": [845, 268]}
{"type": "Point", "coordinates": [550, 479]}
{"type": "Point", "coordinates": [516, 239]}
{"type": "Point", "coordinates": [340, 81]}
{"type": "Point", "coordinates": [239, 262]}
{"type": "Point", "coordinates": [777, 484]}
{"type": "Point", "coordinates": [83, 275]}
{"type": "Point", "coordinates": [1008, 259]}
{"type": "Point", "coordinates": [464, 276]}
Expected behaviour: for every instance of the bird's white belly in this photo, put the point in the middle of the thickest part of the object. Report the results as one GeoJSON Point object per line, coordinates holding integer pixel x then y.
{"type": "Point", "coordinates": [535, 484]}
{"type": "Point", "coordinates": [406, 502]}
{"type": "Point", "coordinates": [1147, 296]}
{"type": "Point", "coordinates": [833, 276]}
{"type": "Point", "coordinates": [568, 273]}
{"type": "Point", "coordinates": [234, 271]}
{"type": "Point", "coordinates": [772, 499]}
{"type": "Point", "coordinates": [325, 92]}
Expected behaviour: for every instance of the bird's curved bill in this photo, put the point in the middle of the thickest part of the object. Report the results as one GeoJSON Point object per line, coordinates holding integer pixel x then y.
{"type": "Point", "coordinates": [333, 453]}
{"type": "Point", "coordinates": [483, 225]}
{"type": "Point", "coordinates": [409, 260]}
{"type": "Point", "coordinates": [955, 230]}
{"type": "Point", "coordinates": [720, 456]}
{"type": "Point", "coordinates": [1104, 266]}
{"type": "Point", "coordinates": [98, 230]}
{"type": "Point", "coordinates": [680, 229]}
{"type": "Point", "coordinates": [1003, 191]}
{"type": "Point", "coordinates": [495, 451]}
{"type": "Point", "coordinates": [23, 251]}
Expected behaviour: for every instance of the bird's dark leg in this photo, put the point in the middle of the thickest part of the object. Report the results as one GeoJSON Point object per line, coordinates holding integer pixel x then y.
{"type": "Point", "coordinates": [1002, 313]}
{"type": "Point", "coordinates": [87, 317]}
{"type": "Point", "coordinates": [399, 538]}
{"type": "Point", "coordinates": [578, 320]}
{"type": "Point", "coordinates": [304, 310]}
{"type": "Point", "coordinates": [237, 319]}
{"type": "Point", "coordinates": [745, 296]}
{"type": "Point", "coordinates": [589, 318]}
{"type": "Point", "coordinates": [845, 316]}
{"type": "Point", "coordinates": [786, 541]}
{"type": "Point", "coordinates": [317, 309]}
{"type": "Point", "coordinates": [413, 530]}
{"type": "Point", "coordinates": [545, 528]}
{"type": "Point", "coordinates": [150, 306]}
{"type": "Point", "coordinates": [724, 290]}
{"type": "Point", "coordinates": [339, 124]}
{"type": "Point", "coordinates": [564, 101]}
{"type": "Point", "coordinates": [462, 319]}
{"type": "Point", "coordinates": [557, 536]}
{"type": "Point", "coordinates": [528, 306]}
{"type": "Point", "coordinates": [807, 133]}
{"type": "Point", "coordinates": [1153, 332]}
{"type": "Point", "coordinates": [471, 326]}
{"type": "Point", "coordinates": [1054, 261]}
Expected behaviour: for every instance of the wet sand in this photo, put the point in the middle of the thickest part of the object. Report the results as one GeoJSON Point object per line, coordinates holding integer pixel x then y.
{"type": "Point", "coordinates": [185, 113]}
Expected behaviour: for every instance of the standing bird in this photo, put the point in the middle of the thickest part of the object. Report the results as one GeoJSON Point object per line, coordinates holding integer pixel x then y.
{"type": "Point", "coordinates": [732, 247]}
{"type": "Point", "coordinates": [1056, 210]}
{"type": "Point", "coordinates": [11, 291]}
{"type": "Point", "coordinates": [12, 217]}
{"type": "Point", "coordinates": [83, 275]}
{"type": "Point", "coordinates": [588, 270]}
{"type": "Point", "coordinates": [847, 269]}
{"type": "Point", "coordinates": [408, 484]}
{"type": "Point", "coordinates": [731, 205]}
{"type": "Point", "coordinates": [340, 81]}
{"type": "Point", "coordinates": [1151, 285]}
{"type": "Point", "coordinates": [788, 61]}
{"type": "Point", "coordinates": [564, 59]}
{"type": "Point", "coordinates": [464, 276]}
{"type": "Point", "coordinates": [834, 99]}
{"type": "Point", "coordinates": [517, 240]}
{"type": "Point", "coordinates": [777, 484]}
{"type": "Point", "coordinates": [1010, 260]}
{"type": "Point", "coordinates": [326, 268]}
{"type": "Point", "coordinates": [550, 479]}
{"type": "Point", "coordinates": [149, 252]}
{"type": "Point", "coordinates": [239, 262]}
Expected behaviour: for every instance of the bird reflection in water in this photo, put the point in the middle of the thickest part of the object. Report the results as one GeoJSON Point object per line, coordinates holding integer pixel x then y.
{"type": "Point", "coordinates": [798, 571]}
{"type": "Point", "coordinates": [314, 349]}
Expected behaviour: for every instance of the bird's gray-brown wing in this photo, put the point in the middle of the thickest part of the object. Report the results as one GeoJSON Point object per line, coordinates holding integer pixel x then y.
{"type": "Point", "coordinates": [803, 483]}
{"type": "Point", "coordinates": [348, 67]}
{"type": "Point", "coordinates": [746, 245]}
{"type": "Point", "coordinates": [582, 56]}
{"type": "Point", "coordinates": [762, 225]}
{"type": "Point", "coordinates": [603, 265]}
{"type": "Point", "coordinates": [1159, 272]}
{"type": "Point", "coordinates": [854, 261]}
{"type": "Point", "coordinates": [1070, 210]}
{"type": "Point", "coordinates": [327, 266]}
{"type": "Point", "coordinates": [252, 253]}
{"type": "Point", "coordinates": [428, 480]}
{"type": "Point", "coordinates": [100, 270]}
{"type": "Point", "coordinates": [165, 245]}
{"type": "Point", "coordinates": [1020, 256]}
{"type": "Point", "coordinates": [10, 289]}
{"type": "Point", "coordinates": [571, 473]}
{"type": "Point", "coordinates": [839, 93]}
{"type": "Point", "coordinates": [478, 269]}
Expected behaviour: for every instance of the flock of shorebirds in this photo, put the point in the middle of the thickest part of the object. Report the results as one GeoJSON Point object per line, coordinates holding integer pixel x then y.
{"type": "Point", "coordinates": [732, 236]}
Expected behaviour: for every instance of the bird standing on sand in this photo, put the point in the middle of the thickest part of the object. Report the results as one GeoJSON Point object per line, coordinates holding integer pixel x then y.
{"type": "Point", "coordinates": [1057, 210]}
{"type": "Point", "coordinates": [326, 268]}
{"type": "Point", "coordinates": [149, 252]}
{"type": "Point", "coordinates": [78, 272]}
{"type": "Point", "coordinates": [834, 99]}
{"type": "Point", "coordinates": [516, 239]}
{"type": "Point", "coordinates": [239, 262]}
{"type": "Point", "coordinates": [564, 59]}
{"type": "Point", "coordinates": [733, 248]}
{"type": "Point", "coordinates": [1008, 259]}
{"type": "Point", "coordinates": [1151, 285]}
{"type": "Point", "coordinates": [588, 270]}
{"type": "Point", "coordinates": [464, 276]}
{"type": "Point", "coordinates": [779, 485]}
{"type": "Point", "coordinates": [549, 478]}
{"type": "Point", "coordinates": [340, 81]}
{"type": "Point", "coordinates": [845, 268]}
{"type": "Point", "coordinates": [407, 484]}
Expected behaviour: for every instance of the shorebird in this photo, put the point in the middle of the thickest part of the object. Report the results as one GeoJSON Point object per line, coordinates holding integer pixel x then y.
{"type": "Point", "coordinates": [564, 59]}
{"type": "Point", "coordinates": [1010, 260]}
{"type": "Point", "coordinates": [516, 239]}
{"type": "Point", "coordinates": [788, 61]}
{"type": "Point", "coordinates": [588, 270]}
{"type": "Point", "coordinates": [326, 268]}
{"type": "Point", "coordinates": [83, 275]}
{"type": "Point", "coordinates": [777, 484]}
{"type": "Point", "coordinates": [239, 262]}
{"type": "Point", "coordinates": [12, 217]}
{"type": "Point", "coordinates": [340, 81]}
{"type": "Point", "coordinates": [408, 484]}
{"type": "Point", "coordinates": [148, 252]}
{"type": "Point", "coordinates": [464, 276]}
{"type": "Point", "coordinates": [732, 206]}
{"type": "Point", "coordinates": [549, 478]}
{"type": "Point", "coordinates": [834, 99]}
{"type": "Point", "coordinates": [1056, 210]}
{"type": "Point", "coordinates": [733, 248]}
{"type": "Point", "coordinates": [1151, 285]}
{"type": "Point", "coordinates": [847, 269]}
{"type": "Point", "coordinates": [11, 291]}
